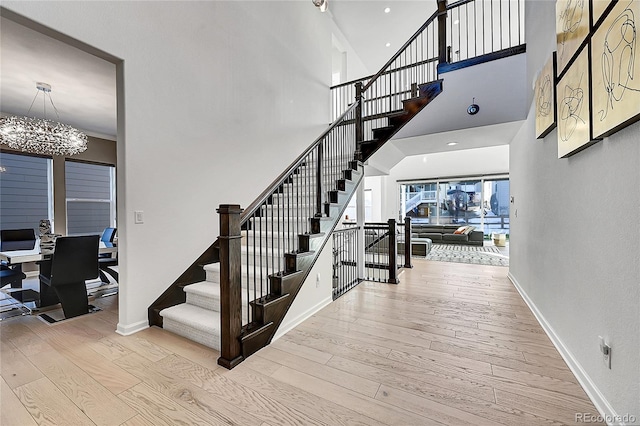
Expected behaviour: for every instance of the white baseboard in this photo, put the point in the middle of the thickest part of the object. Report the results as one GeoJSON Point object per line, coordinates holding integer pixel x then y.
{"type": "Point", "coordinates": [599, 401]}
{"type": "Point", "coordinates": [284, 328]}
{"type": "Point", "coordinates": [128, 329]}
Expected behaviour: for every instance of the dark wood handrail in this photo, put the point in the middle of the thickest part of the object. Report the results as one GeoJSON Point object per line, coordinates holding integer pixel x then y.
{"type": "Point", "coordinates": [251, 209]}
{"type": "Point", "coordinates": [402, 49]}
{"type": "Point", "coordinates": [458, 3]}
{"type": "Point", "coordinates": [404, 67]}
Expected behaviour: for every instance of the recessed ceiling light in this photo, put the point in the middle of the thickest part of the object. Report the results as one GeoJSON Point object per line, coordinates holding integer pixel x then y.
{"type": "Point", "coordinates": [452, 143]}
{"type": "Point", "coordinates": [387, 9]}
{"type": "Point", "coordinates": [388, 44]}
{"type": "Point", "coordinates": [456, 22]}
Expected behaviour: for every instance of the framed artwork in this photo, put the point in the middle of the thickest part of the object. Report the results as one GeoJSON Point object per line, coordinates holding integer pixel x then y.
{"type": "Point", "coordinates": [572, 27]}
{"type": "Point", "coordinates": [573, 107]}
{"type": "Point", "coordinates": [599, 7]}
{"type": "Point", "coordinates": [545, 98]}
{"type": "Point", "coordinates": [616, 69]}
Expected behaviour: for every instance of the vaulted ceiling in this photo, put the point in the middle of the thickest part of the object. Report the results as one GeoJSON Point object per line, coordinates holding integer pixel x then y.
{"type": "Point", "coordinates": [84, 86]}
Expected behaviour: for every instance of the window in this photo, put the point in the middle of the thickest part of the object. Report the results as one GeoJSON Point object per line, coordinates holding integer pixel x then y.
{"type": "Point", "coordinates": [26, 188]}
{"type": "Point", "coordinates": [496, 206]}
{"type": "Point", "coordinates": [483, 203]}
{"type": "Point", "coordinates": [91, 203]}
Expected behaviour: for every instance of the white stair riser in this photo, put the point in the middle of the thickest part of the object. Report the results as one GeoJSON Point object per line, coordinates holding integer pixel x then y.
{"type": "Point", "coordinates": [210, 303]}
{"type": "Point", "coordinates": [207, 339]}
{"type": "Point", "coordinates": [247, 278]}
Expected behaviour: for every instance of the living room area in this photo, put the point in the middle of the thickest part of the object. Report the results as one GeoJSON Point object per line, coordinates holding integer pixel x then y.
{"type": "Point", "coordinates": [458, 201]}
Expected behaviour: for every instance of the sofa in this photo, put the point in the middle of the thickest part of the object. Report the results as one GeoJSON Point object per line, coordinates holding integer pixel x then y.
{"type": "Point", "coordinates": [446, 234]}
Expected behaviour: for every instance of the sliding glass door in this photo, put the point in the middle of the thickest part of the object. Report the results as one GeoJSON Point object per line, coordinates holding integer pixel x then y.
{"type": "Point", "coordinates": [483, 203]}
{"type": "Point", "coordinates": [496, 206]}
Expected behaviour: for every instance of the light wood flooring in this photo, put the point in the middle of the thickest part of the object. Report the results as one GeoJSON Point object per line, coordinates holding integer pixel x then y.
{"type": "Point", "coordinates": [451, 344]}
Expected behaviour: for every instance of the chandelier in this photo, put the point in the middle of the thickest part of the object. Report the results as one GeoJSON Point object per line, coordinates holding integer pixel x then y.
{"type": "Point", "coordinates": [323, 5]}
{"type": "Point", "coordinates": [39, 135]}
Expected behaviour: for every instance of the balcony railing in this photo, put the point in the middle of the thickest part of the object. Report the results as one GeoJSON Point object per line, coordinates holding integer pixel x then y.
{"type": "Point", "coordinates": [456, 32]}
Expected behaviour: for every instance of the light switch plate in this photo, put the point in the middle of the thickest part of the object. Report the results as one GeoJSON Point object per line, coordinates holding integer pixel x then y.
{"type": "Point", "coordinates": [139, 216]}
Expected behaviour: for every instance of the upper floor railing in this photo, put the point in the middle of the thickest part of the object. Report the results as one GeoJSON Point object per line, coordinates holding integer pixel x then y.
{"type": "Point", "coordinates": [455, 32]}
{"type": "Point", "coordinates": [476, 28]}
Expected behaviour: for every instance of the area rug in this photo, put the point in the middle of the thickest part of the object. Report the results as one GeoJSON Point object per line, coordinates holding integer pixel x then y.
{"type": "Point", "coordinates": [56, 316]}
{"type": "Point", "coordinates": [468, 254]}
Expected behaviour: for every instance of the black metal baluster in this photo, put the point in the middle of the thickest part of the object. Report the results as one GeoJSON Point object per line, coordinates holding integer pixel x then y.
{"type": "Point", "coordinates": [509, 17]}
{"type": "Point", "coordinates": [500, 24]}
{"type": "Point", "coordinates": [491, 6]}
{"type": "Point", "coordinates": [466, 17]}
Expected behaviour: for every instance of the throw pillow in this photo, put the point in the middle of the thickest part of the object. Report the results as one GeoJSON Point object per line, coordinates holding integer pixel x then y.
{"type": "Point", "coordinates": [460, 230]}
{"type": "Point", "coordinates": [468, 229]}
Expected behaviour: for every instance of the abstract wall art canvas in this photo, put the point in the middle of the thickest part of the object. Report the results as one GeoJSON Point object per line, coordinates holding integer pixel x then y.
{"type": "Point", "coordinates": [616, 69]}
{"type": "Point", "coordinates": [598, 7]}
{"type": "Point", "coordinates": [545, 100]}
{"type": "Point", "coordinates": [572, 27]}
{"type": "Point", "coordinates": [573, 107]}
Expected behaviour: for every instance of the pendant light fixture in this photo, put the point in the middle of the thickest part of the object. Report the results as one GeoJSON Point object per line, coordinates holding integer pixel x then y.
{"type": "Point", "coordinates": [39, 135]}
{"type": "Point", "coordinates": [323, 5]}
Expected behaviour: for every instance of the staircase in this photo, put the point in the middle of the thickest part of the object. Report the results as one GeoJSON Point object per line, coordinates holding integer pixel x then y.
{"type": "Point", "coordinates": [278, 250]}
{"type": "Point", "coordinates": [236, 294]}
{"type": "Point", "coordinates": [198, 318]}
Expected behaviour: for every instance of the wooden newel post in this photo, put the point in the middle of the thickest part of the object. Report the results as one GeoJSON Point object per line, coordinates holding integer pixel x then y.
{"type": "Point", "coordinates": [407, 242]}
{"type": "Point", "coordinates": [230, 285]}
{"type": "Point", "coordinates": [442, 32]}
{"type": "Point", "coordinates": [393, 253]}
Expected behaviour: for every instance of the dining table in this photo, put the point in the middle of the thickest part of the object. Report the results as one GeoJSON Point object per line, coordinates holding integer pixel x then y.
{"type": "Point", "coordinates": [32, 252]}
{"type": "Point", "coordinates": [35, 254]}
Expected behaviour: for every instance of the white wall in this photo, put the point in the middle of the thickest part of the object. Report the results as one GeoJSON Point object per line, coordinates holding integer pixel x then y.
{"type": "Point", "coordinates": [215, 99]}
{"type": "Point", "coordinates": [469, 162]}
{"type": "Point", "coordinates": [355, 68]}
{"type": "Point", "coordinates": [378, 187]}
{"type": "Point", "coordinates": [575, 242]}
{"type": "Point", "coordinates": [315, 294]}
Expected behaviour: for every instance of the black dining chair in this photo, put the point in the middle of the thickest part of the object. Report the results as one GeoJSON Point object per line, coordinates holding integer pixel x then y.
{"type": "Point", "coordinates": [11, 276]}
{"type": "Point", "coordinates": [107, 237]}
{"type": "Point", "coordinates": [105, 260]}
{"type": "Point", "coordinates": [74, 261]}
{"type": "Point", "coordinates": [15, 239]}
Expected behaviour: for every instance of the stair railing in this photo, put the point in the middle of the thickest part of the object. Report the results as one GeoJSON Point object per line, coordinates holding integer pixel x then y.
{"type": "Point", "coordinates": [345, 252]}
{"type": "Point", "coordinates": [381, 252]}
{"type": "Point", "coordinates": [276, 227]}
{"type": "Point", "coordinates": [456, 32]}
{"type": "Point", "coordinates": [414, 63]}
{"type": "Point", "coordinates": [476, 28]}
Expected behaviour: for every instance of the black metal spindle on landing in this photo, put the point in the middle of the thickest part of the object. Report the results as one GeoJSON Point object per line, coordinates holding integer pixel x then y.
{"type": "Point", "coordinates": [345, 260]}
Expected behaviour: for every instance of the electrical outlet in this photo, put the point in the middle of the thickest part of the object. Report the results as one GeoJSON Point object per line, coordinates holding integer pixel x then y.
{"type": "Point", "coordinates": [317, 280]}
{"type": "Point", "coordinates": [606, 352]}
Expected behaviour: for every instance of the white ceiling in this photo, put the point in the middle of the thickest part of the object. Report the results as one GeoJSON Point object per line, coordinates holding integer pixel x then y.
{"type": "Point", "coordinates": [368, 28]}
{"type": "Point", "coordinates": [83, 86]}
